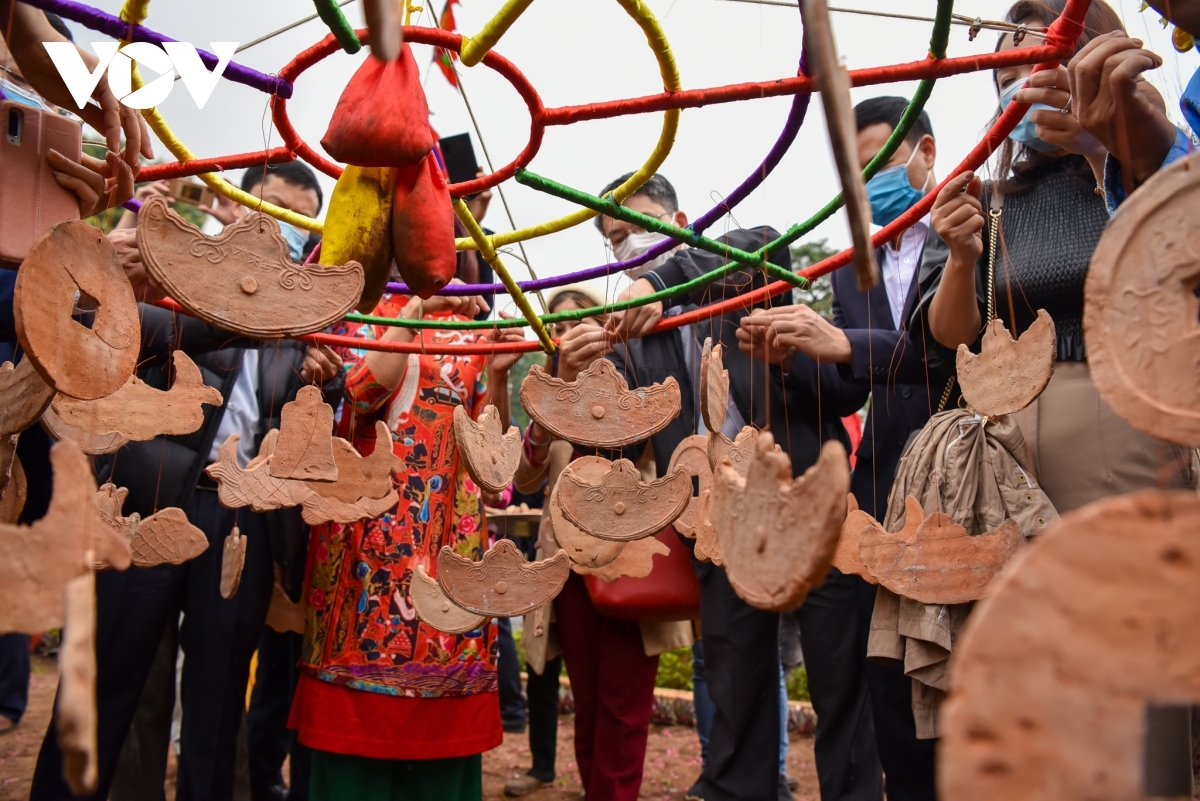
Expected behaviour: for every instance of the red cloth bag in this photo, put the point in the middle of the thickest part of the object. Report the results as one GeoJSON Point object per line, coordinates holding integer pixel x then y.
{"type": "Point", "coordinates": [423, 228]}
{"type": "Point", "coordinates": [670, 592]}
{"type": "Point", "coordinates": [382, 117]}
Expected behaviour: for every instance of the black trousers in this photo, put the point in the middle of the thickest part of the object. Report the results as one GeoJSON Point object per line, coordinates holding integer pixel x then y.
{"type": "Point", "coordinates": [14, 675]}
{"type": "Point", "coordinates": [268, 740]}
{"type": "Point", "coordinates": [218, 637]}
{"type": "Point", "coordinates": [542, 692]}
{"type": "Point", "coordinates": [908, 763]}
{"type": "Point", "coordinates": [846, 753]}
{"type": "Point", "coordinates": [508, 676]}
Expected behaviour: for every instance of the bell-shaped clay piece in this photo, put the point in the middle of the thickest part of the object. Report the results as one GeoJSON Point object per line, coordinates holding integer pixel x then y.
{"type": "Point", "coordinates": [1007, 375]}
{"type": "Point", "coordinates": [434, 608]}
{"type": "Point", "coordinates": [490, 454]}
{"type": "Point", "coordinates": [503, 584]}
{"type": "Point", "coordinates": [305, 448]}
{"type": "Point", "coordinates": [778, 534]}
{"type": "Point", "coordinates": [621, 507]}
{"type": "Point", "coordinates": [933, 560]}
{"type": "Point", "coordinates": [598, 409]}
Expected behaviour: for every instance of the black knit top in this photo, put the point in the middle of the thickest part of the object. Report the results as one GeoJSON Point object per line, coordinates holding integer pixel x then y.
{"type": "Point", "coordinates": [1047, 234]}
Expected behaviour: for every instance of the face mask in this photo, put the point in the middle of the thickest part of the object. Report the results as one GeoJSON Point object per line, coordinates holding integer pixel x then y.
{"type": "Point", "coordinates": [1026, 132]}
{"type": "Point", "coordinates": [635, 245]}
{"type": "Point", "coordinates": [296, 240]}
{"type": "Point", "coordinates": [891, 193]}
{"type": "Point", "coordinates": [9, 90]}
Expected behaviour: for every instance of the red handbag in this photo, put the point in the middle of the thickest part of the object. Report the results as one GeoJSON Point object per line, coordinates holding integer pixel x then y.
{"type": "Point", "coordinates": [670, 592]}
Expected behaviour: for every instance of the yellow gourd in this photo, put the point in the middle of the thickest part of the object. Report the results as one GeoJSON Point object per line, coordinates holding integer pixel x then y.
{"type": "Point", "coordinates": [359, 227]}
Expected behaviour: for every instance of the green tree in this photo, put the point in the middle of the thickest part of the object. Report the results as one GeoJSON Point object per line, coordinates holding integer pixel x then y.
{"type": "Point", "coordinates": [819, 296]}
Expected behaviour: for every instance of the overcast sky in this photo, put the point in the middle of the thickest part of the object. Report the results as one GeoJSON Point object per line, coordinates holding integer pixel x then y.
{"type": "Point", "coordinates": [579, 52]}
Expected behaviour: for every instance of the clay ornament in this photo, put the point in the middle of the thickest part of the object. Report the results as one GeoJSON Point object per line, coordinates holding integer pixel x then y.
{"type": "Point", "coordinates": [253, 485]}
{"type": "Point", "coordinates": [284, 615]}
{"type": "Point", "coordinates": [76, 718]}
{"type": "Point", "coordinates": [847, 559]}
{"type": "Point", "coordinates": [109, 500]}
{"type": "Point", "coordinates": [834, 85]}
{"type": "Point", "coordinates": [714, 386]}
{"type": "Point", "coordinates": [38, 561]}
{"type": "Point", "coordinates": [166, 537]}
{"type": "Point", "coordinates": [598, 409]}
{"type": "Point", "coordinates": [503, 584]}
{"type": "Point", "coordinates": [740, 451]}
{"type": "Point", "coordinates": [691, 454]}
{"type": "Point", "coordinates": [362, 476]}
{"type": "Point", "coordinates": [933, 560]}
{"type": "Point", "coordinates": [305, 448]}
{"type": "Point", "coordinates": [434, 608]}
{"type": "Point", "coordinates": [1007, 375]}
{"type": "Point", "coordinates": [243, 279]}
{"type": "Point", "coordinates": [317, 509]}
{"type": "Point", "coordinates": [778, 535]}
{"type": "Point", "coordinates": [24, 396]}
{"type": "Point", "coordinates": [233, 559]}
{"type": "Point", "coordinates": [12, 498]}
{"type": "Point", "coordinates": [83, 362]}
{"type": "Point", "coordinates": [1056, 672]}
{"type": "Point", "coordinates": [1141, 323]}
{"type": "Point", "coordinates": [138, 411]}
{"type": "Point", "coordinates": [636, 560]}
{"type": "Point", "coordinates": [490, 455]}
{"type": "Point", "coordinates": [621, 507]}
{"type": "Point", "coordinates": [582, 548]}
{"type": "Point", "coordinates": [91, 444]}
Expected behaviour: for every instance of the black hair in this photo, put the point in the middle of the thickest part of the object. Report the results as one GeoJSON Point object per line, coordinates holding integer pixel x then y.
{"type": "Point", "coordinates": [294, 172]}
{"type": "Point", "coordinates": [889, 110]}
{"type": "Point", "coordinates": [657, 188]}
{"type": "Point", "coordinates": [56, 22]}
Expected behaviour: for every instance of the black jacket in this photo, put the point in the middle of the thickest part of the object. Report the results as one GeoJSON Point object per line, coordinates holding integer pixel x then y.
{"type": "Point", "coordinates": [906, 389]}
{"type": "Point", "coordinates": [163, 471]}
{"type": "Point", "coordinates": [799, 414]}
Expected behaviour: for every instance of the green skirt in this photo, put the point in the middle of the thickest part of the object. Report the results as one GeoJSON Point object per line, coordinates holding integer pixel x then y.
{"type": "Point", "coordinates": [338, 777]}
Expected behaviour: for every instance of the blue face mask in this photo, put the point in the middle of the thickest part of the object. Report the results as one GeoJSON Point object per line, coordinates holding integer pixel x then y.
{"type": "Point", "coordinates": [1026, 132]}
{"type": "Point", "coordinates": [891, 193]}
{"type": "Point", "coordinates": [296, 240]}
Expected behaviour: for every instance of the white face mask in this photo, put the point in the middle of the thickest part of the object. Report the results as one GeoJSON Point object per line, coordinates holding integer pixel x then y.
{"type": "Point", "coordinates": [635, 245]}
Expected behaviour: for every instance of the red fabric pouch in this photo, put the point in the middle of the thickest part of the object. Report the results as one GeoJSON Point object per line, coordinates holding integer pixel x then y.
{"type": "Point", "coordinates": [423, 228]}
{"type": "Point", "coordinates": [670, 592]}
{"type": "Point", "coordinates": [382, 117]}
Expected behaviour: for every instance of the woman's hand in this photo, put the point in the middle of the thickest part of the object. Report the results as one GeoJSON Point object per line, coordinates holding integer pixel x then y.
{"type": "Point", "coordinates": [1059, 127]}
{"type": "Point", "coordinates": [500, 363]}
{"type": "Point", "coordinates": [957, 217]}
{"type": "Point", "coordinates": [99, 185]}
{"type": "Point", "coordinates": [125, 242]}
{"type": "Point", "coordinates": [581, 346]}
{"type": "Point", "coordinates": [321, 363]}
{"type": "Point", "coordinates": [463, 305]}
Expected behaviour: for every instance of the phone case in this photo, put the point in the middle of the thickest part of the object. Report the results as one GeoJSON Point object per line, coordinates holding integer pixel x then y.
{"type": "Point", "coordinates": [30, 199]}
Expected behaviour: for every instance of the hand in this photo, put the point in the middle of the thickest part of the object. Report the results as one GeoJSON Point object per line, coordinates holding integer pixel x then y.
{"type": "Point", "coordinates": [771, 335]}
{"type": "Point", "coordinates": [463, 305]}
{"type": "Point", "coordinates": [581, 346]}
{"type": "Point", "coordinates": [957, 217]}
{"type": "Point", "coordinates": [225, 211]}
{"type": "Point", "coordinates": [92, 180]}
{"type": "Point", "coordinates": [500, 363]}
{"type": "Point", "coordinates": [478, 205]}
{"type": "Point", "coordinates": [1117, 106]}
{"type": "Point", "coordinates": [321, 363]}
{"type": "Point", "coordinates": [635, 322]}
{"type": "Point", "coordinates": [125, 242]}
{"type": "Point", "coordinates": [1051, 88]}
{"type": "Point", "coordinates": [148, 191]}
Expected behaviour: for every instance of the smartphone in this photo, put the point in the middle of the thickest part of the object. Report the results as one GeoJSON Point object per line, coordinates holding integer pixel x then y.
{"type": "Point", "coordinates": [459, 155]}
{"type": "Point", "coordinates": [191, 192]}
{"type": "Point", "coordinates": [30, 199]}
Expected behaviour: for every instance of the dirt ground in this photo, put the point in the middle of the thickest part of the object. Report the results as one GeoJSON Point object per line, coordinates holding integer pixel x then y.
{"type": "Point", "coordinates": [672, 755]}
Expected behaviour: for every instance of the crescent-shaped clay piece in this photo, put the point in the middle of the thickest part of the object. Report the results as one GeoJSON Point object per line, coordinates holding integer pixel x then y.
{"type": "Point", "coordinates": [490, 454]}
{"type": "Point", "coordinates": [24, 396]}
{"type": "Point", "coordinates": [233, 559]}
{"type": "Point", "coordinates": [636, 560]}
{"type": "Point", "coordinates": [714, 386]}
{"type": "Point", "coordinates": [598, 409]}
{"type": "Point", "coordinates": [305, 447]}
{"type": "Point", "coordinates": [434, 608]}
{"type": "Point", "coordinates": [87, 363]}
{"type": "Point", "coordinates": [1056, 672]}
{"type": "Point", "coordinates": [76, 718]}
{"type": "Point", "coordinates": [620, 506]}
{"type": "Point", "coordinates": [243, 279]}
{"type": "Point", "coordinates": [40, 559]}
{"type": "Point", "coordinates": [1007, 375]}
{"type": "Point", "coordinates": [691, 454]}
{"type": "Point", "coordinates": [933, 560]}
{"type": "Point", "coordinates": [138, 411]}
{"type": "Point", "coordinates": [284, 614]}
{"type": "Point", "coordinates": [1141, 320]}
{"type": "Point", "coordinates": [846, 559]}
{"type": "Point", "coordinates": [91, 444]}
{"type": "Point", "coordinates": [584, 550]}
{"type": "Point", "coordinates": [778, 535]}
{"type": "Point", "coordinates": [167, 538]}
{"type": "Point", "coordinates": [504, 583]}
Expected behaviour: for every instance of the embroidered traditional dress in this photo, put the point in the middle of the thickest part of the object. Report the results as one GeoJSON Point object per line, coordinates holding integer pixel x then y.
{"type": "Point", "coordinates": [377, 681]}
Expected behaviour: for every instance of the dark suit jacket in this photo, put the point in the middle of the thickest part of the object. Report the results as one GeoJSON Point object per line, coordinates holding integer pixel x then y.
{"type": "Point", "coordinates": [906, 391]}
